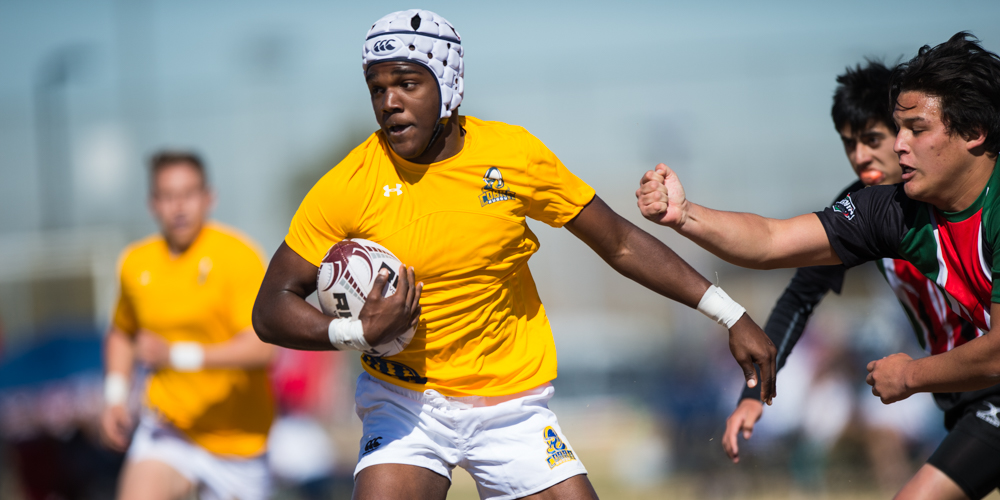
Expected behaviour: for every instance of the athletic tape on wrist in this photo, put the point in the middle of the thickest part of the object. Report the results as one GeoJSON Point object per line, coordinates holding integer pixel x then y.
{"type": "Point", "coordinates": [115, 389]}
{"type": "Point", "coordinates": [186, 356]}
{"type": "Point", "coordinates": [346, 333]}
{"type": "Point", "coordinates": [717, 305]}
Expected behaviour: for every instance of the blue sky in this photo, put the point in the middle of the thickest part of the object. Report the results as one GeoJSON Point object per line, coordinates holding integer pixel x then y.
{"type": "Point", "coordinates": [735, 95]}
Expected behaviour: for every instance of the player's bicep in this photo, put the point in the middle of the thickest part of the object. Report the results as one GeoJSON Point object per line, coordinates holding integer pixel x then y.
{"type": "Point", "coordinates": [288, 272]}
{"type": "Point", "coordinates": [599, 227]}
{"type": "Point", "coordinates": [798, 242]}
{"type": "Point", "coordinates": [118, 351]}
{"type": "Point", "coordinates": [868, 224]}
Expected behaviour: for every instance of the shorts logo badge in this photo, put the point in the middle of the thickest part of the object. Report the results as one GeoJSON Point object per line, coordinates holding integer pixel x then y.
{"type": "Point", "coordinates": [372, 445]}
{"type": "Point", "coordinates": [558, 453]}
{"type": "Point", "coordinates": [845, 207]}
{"type": "Point", "coordinates": [990, 415]}
{"type": "Point", "coordinates": [398, 190]}
{"type": "Point", "coordinates": [494, 190]}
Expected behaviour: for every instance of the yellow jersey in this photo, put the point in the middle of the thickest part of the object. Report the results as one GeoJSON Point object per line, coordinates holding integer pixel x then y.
{"type": "Point", "coordinates": [461, 224]}
{"type": "Point", "coordinates": [204, 295]}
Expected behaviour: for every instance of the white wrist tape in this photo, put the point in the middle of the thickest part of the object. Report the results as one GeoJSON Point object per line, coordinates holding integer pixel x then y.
{"type": "Point", "coordinates": [115, 389]}
{"type": "Point", "coordinates": [346, 333]}
{"type": "Point", "coordinates": [187, 356]}
{"type": "Point", "coordinates": [717, 305]}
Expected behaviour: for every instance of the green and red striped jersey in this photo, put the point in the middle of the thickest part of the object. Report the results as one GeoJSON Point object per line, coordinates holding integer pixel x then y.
{"type": "Point", "coordinates": [956, 251]}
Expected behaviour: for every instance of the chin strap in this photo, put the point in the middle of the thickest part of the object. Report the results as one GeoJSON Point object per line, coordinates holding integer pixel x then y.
{"type": "Point", "coordinates": [434, 135]}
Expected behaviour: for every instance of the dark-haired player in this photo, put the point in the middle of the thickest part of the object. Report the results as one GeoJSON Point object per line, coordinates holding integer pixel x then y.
{"type": "Point", "coordinates": [861, 103]}
{"type": "Point", "coordinates": [183, 311]}
{"type": "Point", "coordinates": [449, 194]}
{"type": "Point", "coordinates": [944, 219]}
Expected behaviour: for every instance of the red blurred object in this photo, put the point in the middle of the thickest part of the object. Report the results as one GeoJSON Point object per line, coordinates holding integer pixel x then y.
{"type": "Point", "coordinates": [304, 382]}
{"type": "Point", "coordinates": [871, 177]}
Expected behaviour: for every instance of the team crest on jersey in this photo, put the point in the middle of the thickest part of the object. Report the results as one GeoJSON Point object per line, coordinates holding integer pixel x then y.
{"type": "Point", "coordinates": [558, 453]}
{"type": "Point", "coordinates": [845, 207]}
{"type": "Point", "coordinates": [204, 267]}
{"type": "Point", "coordinates": [495, 189]}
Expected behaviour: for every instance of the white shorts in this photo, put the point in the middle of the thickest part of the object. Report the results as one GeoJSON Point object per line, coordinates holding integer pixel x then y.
{"type": "Point", "coordinates": [215, 477]}
{"type": "Point", "coordinates": [511, 445]}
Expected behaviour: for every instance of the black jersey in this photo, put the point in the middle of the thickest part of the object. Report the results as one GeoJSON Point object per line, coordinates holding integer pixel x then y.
{"type": "Point", "coordinates": [922, 301]}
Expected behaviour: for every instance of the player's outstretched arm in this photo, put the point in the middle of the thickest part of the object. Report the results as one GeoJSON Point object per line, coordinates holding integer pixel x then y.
{"type": "Point", "coordinates": [281, 315]}
{"type": "Point", "coordinates": [646, 260]}
{"type": "Point", "coordinates": [743, 239]}
{"type": "Point", "coordinates": [116, 422]}
{"type": "Point", "coordinates": [244, 350]}
{"type": "Point", "coordinates": [971, 366]}
{"type": "Point", "coordinates": [784, 327]}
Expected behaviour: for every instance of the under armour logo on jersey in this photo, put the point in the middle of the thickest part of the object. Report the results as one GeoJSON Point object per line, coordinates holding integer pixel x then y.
{"type": "Point", "coordinates": [990, 415]}
{"type": "Point", "coordinates": [398, 190]}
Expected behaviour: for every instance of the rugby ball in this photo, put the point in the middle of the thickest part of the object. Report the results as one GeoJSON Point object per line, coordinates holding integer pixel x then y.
{"type": "Point", "coordinates": [345, 278]}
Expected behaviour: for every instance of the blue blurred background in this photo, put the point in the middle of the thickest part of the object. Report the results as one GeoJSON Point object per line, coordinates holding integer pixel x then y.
{"type": "Point", "coordinates": [735, 96]}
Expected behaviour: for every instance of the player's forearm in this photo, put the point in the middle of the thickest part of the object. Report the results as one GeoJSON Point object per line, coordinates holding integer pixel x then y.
{"type": "Point", "coordinates": [637, 255]}
{"type": "Point", "coordinates": [654, 265]}
{"type": "Point", "coordinates": [287, 320]}
{"type": "Point", "coordinates": [245, 350]}
{"type": "Point", "coordinates": [739, 238]}
{"type": "Point", "coordinates": [119, 353]}
{"type": "Point", "coordinates": [756, 242]}
{"type": "Point", "coordinates": [968, 367]}
{"type": "Point", "coordinates": [281, 315]}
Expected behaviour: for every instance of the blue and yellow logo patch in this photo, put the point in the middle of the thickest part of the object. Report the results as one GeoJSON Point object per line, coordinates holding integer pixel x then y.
{"type": "Point", "coordinates": [494, 190]}
{"type": "Point", "coordinates": [558, 453]}
{"type": "Point", "coordinates": [393, 369]}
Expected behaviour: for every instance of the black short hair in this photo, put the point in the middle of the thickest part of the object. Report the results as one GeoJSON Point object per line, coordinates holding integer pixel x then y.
{"type": "Point", "coordinates": [862, 96]}
{"type": "Point", "coordinates": [966, 77]}
{"type": "Point", "coordinates": [165, 158]}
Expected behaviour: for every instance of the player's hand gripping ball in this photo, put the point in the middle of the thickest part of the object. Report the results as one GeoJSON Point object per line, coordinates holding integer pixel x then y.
{"type": "Point", "coordinates": [346, 277]}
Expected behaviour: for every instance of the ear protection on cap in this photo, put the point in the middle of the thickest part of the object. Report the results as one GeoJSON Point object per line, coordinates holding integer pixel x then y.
{"type": "Point", "coordinates": [423, 37]}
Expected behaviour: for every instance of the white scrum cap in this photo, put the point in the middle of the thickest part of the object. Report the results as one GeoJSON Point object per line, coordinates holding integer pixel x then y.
{"type": "Point", "coordinates": [424, 37]}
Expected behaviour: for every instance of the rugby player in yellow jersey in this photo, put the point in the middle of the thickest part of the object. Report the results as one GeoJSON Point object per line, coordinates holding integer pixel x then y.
{"type": "Point", "coordinates": [184, 312]}
{"type": "Point", "coordinates": [448, 195]}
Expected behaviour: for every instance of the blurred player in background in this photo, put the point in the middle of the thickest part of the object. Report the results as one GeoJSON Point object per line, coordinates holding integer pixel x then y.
{"type": "Point", "coordinates": [449, 195]}
{"type": "Point", "coordinates": [184, 313]}
{"type": "Point", "coordinates": [862, 114]}
{"type": "Point", "coordinates": [944, 219]}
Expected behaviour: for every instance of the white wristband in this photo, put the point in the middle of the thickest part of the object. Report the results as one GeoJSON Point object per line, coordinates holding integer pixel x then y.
{"type": "Point", "coordinates": [186, 356]}
{"type": "Point", "coordinates": [717, 305]}
{"type": "Point", "coordinates": [347, 333]}
{"type": "Point", "coordinates": [115, 389]}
